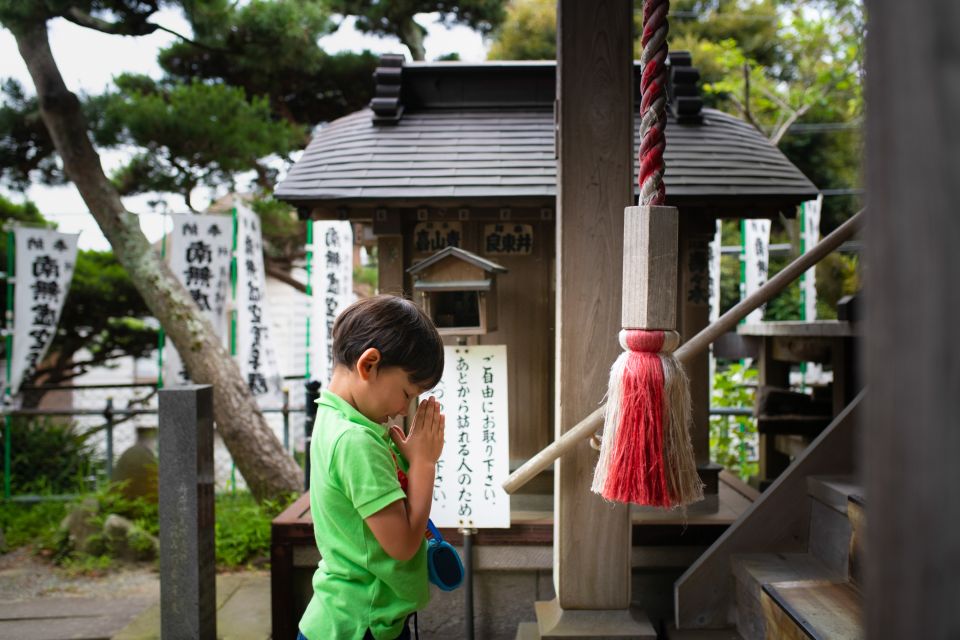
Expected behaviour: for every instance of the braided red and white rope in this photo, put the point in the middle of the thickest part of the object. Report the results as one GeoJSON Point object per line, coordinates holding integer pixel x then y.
{"type": "Point", "coordinates": [653, 101]}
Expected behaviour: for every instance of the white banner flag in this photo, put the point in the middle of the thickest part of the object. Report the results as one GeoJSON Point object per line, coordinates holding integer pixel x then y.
{"type": "Point", "coordinates": [716, 248]}
{"type": "Point", "coordinates": [756, 249]}
{"type": "Point", "coordinates": [45, 262]}
{"type": "Point", "coordinates": [198, 250]}
{"type": "Point", "coordinates": [810, 238]}
{"type": "Point", "coordinates": [331, 283]}
{"type": "Point", "coordinates": [256, 354]}
{"type": "Point", "coordinates": [467, 491]}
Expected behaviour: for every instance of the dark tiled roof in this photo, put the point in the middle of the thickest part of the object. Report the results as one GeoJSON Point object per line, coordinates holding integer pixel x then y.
{"type": "Point", "coordinates": [506, 153]}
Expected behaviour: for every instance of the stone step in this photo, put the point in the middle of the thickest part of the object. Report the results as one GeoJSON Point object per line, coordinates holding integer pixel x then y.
{"type": "Point", "coordinates": [814, 609]}
{"type": "Point", "coordinates": [753, 570]}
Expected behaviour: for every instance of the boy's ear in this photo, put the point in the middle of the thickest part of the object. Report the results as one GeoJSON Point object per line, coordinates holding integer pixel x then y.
{"type": "Point", "coordinates": [367, 363]}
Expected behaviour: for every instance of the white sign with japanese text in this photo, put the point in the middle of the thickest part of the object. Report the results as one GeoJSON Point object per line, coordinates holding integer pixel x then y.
{"type": "Point", "coordinates": [331, 286]}
{"type": "Point", "coordinates": [475, 460]}
{"type": "Point", "coordinates": [199, 248]}
{"type": "Point", "coordinates": [811, 236]}
{"type": "Point", "coordinates": [45, 262]}
{"type": "Point", "coordinates": [716, 250]}
{"type": "Point", "coordinates": [256, 354]}
{"type": "Point", "coordinates": [756, 254]}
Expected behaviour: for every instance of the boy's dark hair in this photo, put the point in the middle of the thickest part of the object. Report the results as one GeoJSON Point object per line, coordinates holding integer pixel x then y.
{"type": "Point", "coordinates": [399, 329]}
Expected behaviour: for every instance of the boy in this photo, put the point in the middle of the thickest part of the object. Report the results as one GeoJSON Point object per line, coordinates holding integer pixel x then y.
{"type": "Point", "coordinates": [369, 529]}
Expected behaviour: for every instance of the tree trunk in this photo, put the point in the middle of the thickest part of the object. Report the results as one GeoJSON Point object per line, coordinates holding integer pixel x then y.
{"type": "Point", "coordinates": [267, 469]}
{"type": "Point", "coordinates": [411, 34]}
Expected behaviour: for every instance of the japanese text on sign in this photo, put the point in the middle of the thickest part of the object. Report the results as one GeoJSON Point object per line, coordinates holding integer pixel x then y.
{"type": "Point", "coordinates": [44, 266]}
{"type": "Point", "coordinates": [200, 251]}
{"type": "Point", "coordinates": [255, 353]}
{"type": "Point", "coordinates": [332, 290]}
{"type": "Point", "coordinates": [508, 239]}
{"type": "Point", "coordinates": [475, 459]}
{"type": "Point", "coordinates": [430, 237]}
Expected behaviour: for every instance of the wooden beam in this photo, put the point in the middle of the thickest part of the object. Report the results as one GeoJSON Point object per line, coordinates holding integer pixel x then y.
{"type": "Point", "coordinates": [595, 176]}
{"type": "Point", "coordinates": [912, 361]}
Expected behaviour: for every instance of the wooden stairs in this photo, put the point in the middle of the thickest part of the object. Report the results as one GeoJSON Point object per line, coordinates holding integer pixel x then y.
{"type": "Point", "coordinates": [791, 566]}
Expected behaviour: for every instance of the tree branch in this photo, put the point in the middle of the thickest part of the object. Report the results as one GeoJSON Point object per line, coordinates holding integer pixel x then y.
{"type": "Point", "coordinates": [746, 114]}
{"type": "Point", "coordinates": [143, 28]}
{"type": "Point", "coordinates": [796, 115]}
{"type": "Point", "coordinates": [284, 277]}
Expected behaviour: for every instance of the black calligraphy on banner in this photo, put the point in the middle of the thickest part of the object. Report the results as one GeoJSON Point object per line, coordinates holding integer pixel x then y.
{"type": "Point", "coordinates": [44, 267]}
{"type": "Point", "coordinates": [332, 242]}
{"type": "Point", "coordinates": [508, 239]}
{"type": "Point", "coordinates": [200, 258]}
{"type": "Point", "coordinates": [256, 377]}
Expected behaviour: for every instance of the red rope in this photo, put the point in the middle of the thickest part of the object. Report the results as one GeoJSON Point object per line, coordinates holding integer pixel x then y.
{"type": "Point", "coordinates": [653, 102]}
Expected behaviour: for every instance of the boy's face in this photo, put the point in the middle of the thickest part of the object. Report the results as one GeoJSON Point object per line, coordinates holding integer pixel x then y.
{"type": "Point", "coordinates": [386, 392]}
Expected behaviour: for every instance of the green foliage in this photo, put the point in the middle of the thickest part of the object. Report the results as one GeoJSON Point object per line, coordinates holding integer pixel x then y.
{"type": "Point", "coordinates": [192, 133]}
{"type": "Point", "coordinates": [270, 49]}
{"type": "Point", "coordinates": [243, 528]}
{"type": "Point", "coordinates": [395, 18]}
{"type": "Point", "coordinates": [366, 275]}
{"type": "Point", "coordinates": [35, 523]}
{"type": "Point", "coordinates": [50, 457]}
{"type": "Point", "coordinates": [26, 149]}
{"type": "Point", "coordinates": [733, 439]}
{"type": "Point", "coordinates": [284, 235]}
{"type": "Point", "coordinates": [529, 32]}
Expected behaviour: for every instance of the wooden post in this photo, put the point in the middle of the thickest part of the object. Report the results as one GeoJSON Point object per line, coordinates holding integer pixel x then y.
{"type": "Point", "coordinates": [694, 315]}
{"type": "Point", "coordinates": [388, 227]}
{"type": "Point", "coordinates": [595, 173]}
{"type": "Point", "coordinates": [911, 436]}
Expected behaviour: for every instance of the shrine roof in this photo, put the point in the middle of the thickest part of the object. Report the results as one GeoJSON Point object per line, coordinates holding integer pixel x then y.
{"type": "Point", "coordinates": [467, 134]}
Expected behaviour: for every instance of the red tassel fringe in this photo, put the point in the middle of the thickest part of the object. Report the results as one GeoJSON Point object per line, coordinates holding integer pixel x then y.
{"type": "Point", "coordinates": [637, 471]}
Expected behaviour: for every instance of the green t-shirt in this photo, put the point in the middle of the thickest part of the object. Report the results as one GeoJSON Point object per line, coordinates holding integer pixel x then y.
{"type": "Point", "coordinates": [357, 585]}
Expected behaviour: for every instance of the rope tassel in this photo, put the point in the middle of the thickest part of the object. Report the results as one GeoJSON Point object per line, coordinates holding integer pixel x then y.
{"type": "Point", "coordinates": [646, 456]}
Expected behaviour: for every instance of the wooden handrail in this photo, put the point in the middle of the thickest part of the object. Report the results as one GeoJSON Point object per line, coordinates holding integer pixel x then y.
{"type": "Point", "coordinates": [589, 425]}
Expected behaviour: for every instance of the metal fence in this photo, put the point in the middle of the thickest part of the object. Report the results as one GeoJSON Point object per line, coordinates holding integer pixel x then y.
{"type": "Point", "coordinates": [112, 428]}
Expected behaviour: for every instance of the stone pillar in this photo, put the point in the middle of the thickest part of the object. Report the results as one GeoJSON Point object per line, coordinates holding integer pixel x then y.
{"type": "Point", "coordinates": [188, 599]}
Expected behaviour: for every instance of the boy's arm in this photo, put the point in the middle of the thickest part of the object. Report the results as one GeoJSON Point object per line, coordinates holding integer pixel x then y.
{"type": "Point", "coordinates": [399, 527]}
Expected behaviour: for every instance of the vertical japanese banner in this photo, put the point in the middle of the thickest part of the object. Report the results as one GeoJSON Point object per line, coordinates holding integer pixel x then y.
{"type": "Point", "coordinates": [756, 251]}
{"type": "Point", "coordinates": [467, 491]}
{"type": "Point", "coordinates": [45, 262]}
{"type": "Point", "coordinates": [256, 354]}
{"type": "Point", "coordinates": [199, 256]}
{"type": "Point", "coordinates": [332, 290]}
{"type": "Point", "coordinates": [716, 250]}
{"type": "Point", "coordinates": [809, 237]}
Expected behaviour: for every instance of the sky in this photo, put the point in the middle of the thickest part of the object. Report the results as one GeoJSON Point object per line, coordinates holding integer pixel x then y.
{"type": "Point", "coordinates": [89, 60]}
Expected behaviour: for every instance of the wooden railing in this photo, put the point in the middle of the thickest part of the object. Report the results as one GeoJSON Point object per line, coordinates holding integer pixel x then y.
{"type": "Point", "coordinates": [589, 425]}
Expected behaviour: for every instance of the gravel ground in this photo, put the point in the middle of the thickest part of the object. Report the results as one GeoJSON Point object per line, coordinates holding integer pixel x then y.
{"type": "Point", "coordinates": [24, 576]}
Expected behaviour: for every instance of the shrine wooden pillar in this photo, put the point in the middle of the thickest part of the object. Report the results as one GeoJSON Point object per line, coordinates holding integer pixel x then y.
{"type": "Point", "coordinates": [693, 302]}
{"type": "Point", "coordinates": [592, 547]}
{"type": "Point", "coordinates": [910, 433]}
